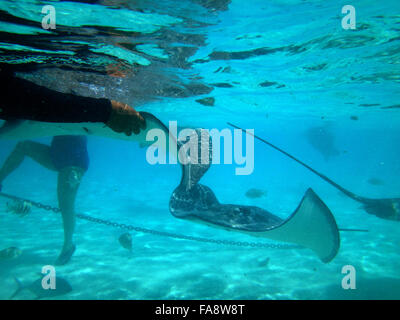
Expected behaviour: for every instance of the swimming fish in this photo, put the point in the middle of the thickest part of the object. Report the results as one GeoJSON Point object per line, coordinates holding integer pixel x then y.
{"type": "Point", "coordinates": [254, 193]}
{"type": "Point", "coordinates": [264, 262]}
{"type": "Point", "coordinates": [322, 140]}
{"type": "Point", "coordinates": [10, 253]}
{"type": "Point", "coordinates": [375, 181]}
{"type": "Point", "coordinates": [62, 287]}
{"type": "Point", "coordinates": [126, 241]}
{"type": "Point", "coordinates": [19, 207]}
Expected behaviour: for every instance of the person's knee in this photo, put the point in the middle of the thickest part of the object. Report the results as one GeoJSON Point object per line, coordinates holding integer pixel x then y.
{"type": "Point", "coordinates": [73, 176]}
{"type": "Point", "coordinates": [68, 183]}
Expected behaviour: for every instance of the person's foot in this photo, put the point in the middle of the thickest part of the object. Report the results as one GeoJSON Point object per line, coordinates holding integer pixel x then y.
{"type": "Point", "coordinates": [65, 256]}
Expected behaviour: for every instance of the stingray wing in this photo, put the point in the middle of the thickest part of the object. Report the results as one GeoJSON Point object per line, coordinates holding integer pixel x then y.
{"type": "Point", "coordinates": [30, 129]}
{"type": "Point", "coordinates": [311, 225]}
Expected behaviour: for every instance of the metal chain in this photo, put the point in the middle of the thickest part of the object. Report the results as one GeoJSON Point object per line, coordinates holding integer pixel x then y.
{"type": "Point", "coordinates": [156, 232]}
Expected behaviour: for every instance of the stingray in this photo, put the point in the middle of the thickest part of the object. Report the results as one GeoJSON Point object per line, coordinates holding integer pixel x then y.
{"type": "Point", "coordinates": [255, 193]}
{"type": "Point", "coordinates": [30, 129]}
{"type": "Point", "coordinates": [311, 225]}
{"type": "Point", "coordinates": [386, 208]}
{"type": "Point", "coordinates": [323, 141]}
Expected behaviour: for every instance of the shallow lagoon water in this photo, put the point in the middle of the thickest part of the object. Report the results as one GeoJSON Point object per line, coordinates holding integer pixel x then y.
{"type": "Point", "coordinates": [165, 268]}
{"type": "Point", "coordinates": [290, 70]}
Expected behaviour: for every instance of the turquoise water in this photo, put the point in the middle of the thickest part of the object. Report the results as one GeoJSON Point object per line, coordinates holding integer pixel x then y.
{"type": "Point", "coordinates": [286, 69]}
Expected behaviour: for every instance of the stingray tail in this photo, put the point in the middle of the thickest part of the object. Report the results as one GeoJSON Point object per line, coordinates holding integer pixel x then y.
{"type": "Point", "coordinates": [311, 225]}
{"type": "Point", "coordinates": [324, 177]}
{"type": "Point", "coordinates": [18, 290]}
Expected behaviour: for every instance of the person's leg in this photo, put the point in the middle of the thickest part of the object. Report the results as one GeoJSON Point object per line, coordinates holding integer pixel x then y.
{"type": "Point", "coordinates": [69, 180]}
{"type": "Point", "coordinates": [37, 151]}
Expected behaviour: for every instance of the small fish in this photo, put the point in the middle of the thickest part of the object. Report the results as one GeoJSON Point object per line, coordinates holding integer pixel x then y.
{"type": "Point", "coordinates": [375, 181]}
{"type": "Point", "coordinates": [19, 207]}
{"type": "Point", "coordinates": [255, 193]}
{"type": "Point", "coordinates": [222, 85]}
{"type": "Point", "coordinates": [10, 253]}
{"type": "Point", "coordinates": [62, 287]}
{"type": "Point", "coordinates": [267, 84]}
{"type": "Point", "coordinates": [264, 263]}
{"type": "Point", "coordinates": [369, 104]}
{"type": "Point", "coordinates": [126, 241]}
